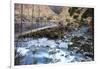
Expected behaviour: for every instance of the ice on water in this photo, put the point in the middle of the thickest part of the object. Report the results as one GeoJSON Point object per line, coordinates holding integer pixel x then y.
{"type": "Point", "coordinates": [44, 50]}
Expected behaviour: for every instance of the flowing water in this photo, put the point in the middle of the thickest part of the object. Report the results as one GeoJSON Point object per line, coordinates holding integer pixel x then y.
{"type": "Point", "coordinates": [47, 51]}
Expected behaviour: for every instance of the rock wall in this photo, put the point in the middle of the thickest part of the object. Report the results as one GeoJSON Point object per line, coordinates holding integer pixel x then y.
{"type": "Point", "coordinates": [32, 13]}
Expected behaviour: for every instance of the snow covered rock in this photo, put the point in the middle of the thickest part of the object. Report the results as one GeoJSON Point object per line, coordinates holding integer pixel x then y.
{"type": "Point", "coordinates": [22, 51]}
{"type": "Point", "coordinates": [63, 45]}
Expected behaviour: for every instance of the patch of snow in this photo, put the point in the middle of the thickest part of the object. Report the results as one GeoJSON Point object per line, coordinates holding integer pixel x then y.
{"type": "Point", "coordinates": [59, 41]}
{"type": "Point", "coordinates": [70, 43]}
{"type": "Point", "coordinates": [32, 42]}
{"type": "Point", "coordinates": [22, 51]}
{"type": "Point", "coordinates": [42, 39]}
{"type": "Point", "coordinates": [63, 45]}
{"type": "Point", "coordinates": [58, 55]}
{"type": "Point", "coordinates": [65, 36]}
{"type": "Point", "coordinates": [45, 42]}
{"type": "Point", "coordinates": [70, 58]}
{"type": "Point", "coordinates": [51, 43]}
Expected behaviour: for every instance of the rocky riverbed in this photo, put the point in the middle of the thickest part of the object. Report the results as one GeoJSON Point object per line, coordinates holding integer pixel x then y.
{"type": "Point", "coordinates": [48, 47]}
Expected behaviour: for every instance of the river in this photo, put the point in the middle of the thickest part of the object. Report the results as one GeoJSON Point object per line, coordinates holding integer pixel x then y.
{"type": "Point", "coordinates": [59, 51]}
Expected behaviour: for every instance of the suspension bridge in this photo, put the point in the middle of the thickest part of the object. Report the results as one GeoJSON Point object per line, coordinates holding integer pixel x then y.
{"type": "Point", "coordinates": [26, 28]}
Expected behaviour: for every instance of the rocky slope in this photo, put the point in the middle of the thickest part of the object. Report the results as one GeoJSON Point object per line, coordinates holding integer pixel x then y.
{"type": "Point", "coordinates": [29, 13]}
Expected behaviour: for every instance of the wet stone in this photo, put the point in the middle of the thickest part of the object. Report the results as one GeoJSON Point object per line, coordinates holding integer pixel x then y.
{"type": "Point", "coordinates": [66, 56]}
{"type": "Point", "coordinates": [62, 54]}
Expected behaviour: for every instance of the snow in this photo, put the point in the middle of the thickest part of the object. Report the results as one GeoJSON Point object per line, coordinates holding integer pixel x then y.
{"type": "Point", "coordinates": [70, 58]}
{"type": "Point", "coordinates": [39, 49]}
{"type": "Point", "coordinates": [42, 39]}
{"type": "Point", "coordinates": [63, 45]}
{"type": "Point", "coordinates": [59, 41]}
{"type": "Point", "coordinates": [22, 51]}
{"type": "Point", "coordinates": [43, 42]}
{"type": "Point", "coordinates": [32, 42]}
{"type": "Point", "coordinates": [51, 43]}
{"type": "Point", "coordinates": [58, 55]}
{"type": "Point", "coordinates": [70, 43]}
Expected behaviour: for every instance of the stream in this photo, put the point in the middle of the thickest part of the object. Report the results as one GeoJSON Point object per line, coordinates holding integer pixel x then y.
{"type": "Point", "coordinates": [59, 51]}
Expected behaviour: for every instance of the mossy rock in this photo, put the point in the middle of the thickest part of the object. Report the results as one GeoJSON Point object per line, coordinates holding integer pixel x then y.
{"type": "Point", "coordinates": [87, 48]}
{"type": "Point", "coordinates": [74, 45]}
{"type": "Point", "coordinates": [77, 39]}
{"type": "Point", "coordinates": [74, 39]}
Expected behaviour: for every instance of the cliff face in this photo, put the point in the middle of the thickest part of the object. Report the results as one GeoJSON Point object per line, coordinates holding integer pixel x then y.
{"type": "Point", "coordinates": [29, 13]}
{"type": "Point", "coordinates": [35, 10]}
